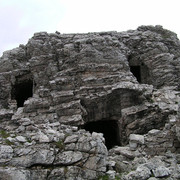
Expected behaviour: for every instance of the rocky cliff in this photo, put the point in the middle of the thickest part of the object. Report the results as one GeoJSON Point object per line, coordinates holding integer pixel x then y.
{"type": "Point", "coordinates": [91, 106]}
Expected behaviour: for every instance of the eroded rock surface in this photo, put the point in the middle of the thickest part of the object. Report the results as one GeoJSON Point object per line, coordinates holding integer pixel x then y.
{"type": "Point", "coordinates": [91, 106]}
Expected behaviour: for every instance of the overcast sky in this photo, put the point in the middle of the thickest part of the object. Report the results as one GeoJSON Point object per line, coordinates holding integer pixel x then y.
{"type": "Point", "coordinates": [20, 19]}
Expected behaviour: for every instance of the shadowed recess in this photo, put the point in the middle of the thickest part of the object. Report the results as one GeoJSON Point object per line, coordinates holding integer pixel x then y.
{"type": "Point", "coordinates": [109, 128]}
{"type": "Point", "coordinates": [22, 91]}
{"type": "Point", "coordinates": [136, 70]}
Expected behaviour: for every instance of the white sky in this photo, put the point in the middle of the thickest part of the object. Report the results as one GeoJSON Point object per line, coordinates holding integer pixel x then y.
{"type": "Point", "coordinates": [20, 19]}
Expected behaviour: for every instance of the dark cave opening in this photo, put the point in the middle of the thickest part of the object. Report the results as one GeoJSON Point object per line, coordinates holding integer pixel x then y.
{"type": "Point", "coordinates": [109, 128]}
{"type": "Point", "coordinates": [22, 91]}
{"type": "Point", "coordinates": [136, 70]}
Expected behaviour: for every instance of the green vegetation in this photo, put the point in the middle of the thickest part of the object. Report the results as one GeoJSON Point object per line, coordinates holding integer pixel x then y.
{"type": "Point", "coordinates": [60, 144]}
{"type": "Point", "coordinates": [151, 100]}
{"type": "Point", "coordinates": [166, 34]}
{"type": "Point", "coordinates": [66, 135]}
{"type": "Point", "coordinates": [9, 142]}
{"type": "Point", "coordinates": [29, 140]}
{"type": "Point", "coordinates": [65, 170]}
{"type": "Point", "coordinates": [4, 134]}
{"type": "Point", "coordinates": [117, 178]}
{"type": "Point", "coordinates": [106, 177]}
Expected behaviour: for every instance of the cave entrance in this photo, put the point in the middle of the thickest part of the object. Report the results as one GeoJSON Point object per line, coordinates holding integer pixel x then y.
{"type": "Point", "coordinates": [22, 91]}
{"type": "Point", "coordinates": [109, 128]}
{"type": "Point", "coordinates": [136, 70]}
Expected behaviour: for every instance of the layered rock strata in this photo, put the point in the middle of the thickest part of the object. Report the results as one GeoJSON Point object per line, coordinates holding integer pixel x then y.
{"type": "Point", "coordinates": [91, 106]}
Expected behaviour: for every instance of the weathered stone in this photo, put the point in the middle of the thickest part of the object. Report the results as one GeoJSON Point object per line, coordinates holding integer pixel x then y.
{"type": "Point", "coordinates": [6, 153]}
{"type": "Point", "coordinates": [144, 173]}
{"type": "Point", "coordinates": [134, 140]}
{"type": "Point", "coordinates": [21, 139]}
{"type": "Point", "coordinates": [126, 151]}
{"type": "Point", "coordinates": [58, 173]}
{"type": "Point", "coordinates": [121, 87]}
{"type": "Point", "coordinates": [111, 174]}
{"type": "Point", "coordinates": [14, 174]}
{"type": "Point", "coordinates": [71, 139]}
{"type": "Point", "coordinates": [178, 132]}
{"type": "Point", "coordinates": [43, 138]}
{"type": "Point", "coordinates": [40, 157]}
{"type": "Point", "coordinates": [137, 138]}
{"type": "Point", "coordinates": [141, 173]}
{"type": "Point", "coordinates": [68, 158]}
{"type": "Point", "coordinates": [161, 172]}
{"type": "Point", "coordinates": [96, 163]}
{"type": "Point", "coordinates": [154, 132]}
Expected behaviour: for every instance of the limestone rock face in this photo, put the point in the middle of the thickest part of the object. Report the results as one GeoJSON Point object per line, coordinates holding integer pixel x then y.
{"type": "Point", "coordinates": [87, 106]}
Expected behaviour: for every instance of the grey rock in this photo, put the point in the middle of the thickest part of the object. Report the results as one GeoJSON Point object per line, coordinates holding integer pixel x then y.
{"type": "Point", "coordinates": [161, 172]}
{"type": "Point", "coordinates": [21, 139]}
{"type": "Point", "coordinates": [111, 174]}
{"type": "Point", "coordinates": [122, 87]}
{"type": "Point", "coordinates": [136, 138]}
{"type": "Point", "coordinates": [40, 157]}
{"type": "Point", "coordinates": [6, 153]}
{"type": "Point", "coordinates": [68, 158]}
{"type": "Point", "coordinates": [43, 138]}
{"type": "Point", "coordinates": [10, 139]}
{"type": "Point", "coordinates": [96, 163]}
{"type": "Point", "coordinates": [178, 132]}
{"type": "Point", "coordinates": [126, 151]}
{"type": "Point", "coordinates": [144, 173]}
{"type": "Point", "coordinates": [58, 173]}
{"type": "Point", "coordinates": [136, 175]}
{"type": "Point", "coordinates": [71, 139]}
{"type": "Point", "coordinates": [154, 132]}
{"type": "Point", "coordinates": [14, 174]}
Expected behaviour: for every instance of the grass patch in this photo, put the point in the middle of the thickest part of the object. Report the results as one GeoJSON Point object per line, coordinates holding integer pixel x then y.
{"type": "Point", "coordinates": [105, 177]}
{"type": "Point", "coordinates": [4, 134]}
{"type": "Point", "coordinates": [151, 100]}
{"type": "Point", "coordinates": [60, 144]}
{"type": "Point", "coordinates": [117, 178]}
{"type": "Point", "coordinates": [9, 142]}
{"type": "Point", "coordinates": [65, 170]}
{"type": "Point", "coordinates": [29, 140]}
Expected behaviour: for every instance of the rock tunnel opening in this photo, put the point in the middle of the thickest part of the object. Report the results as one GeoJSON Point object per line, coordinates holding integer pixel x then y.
{"type": "Point", "coordinates": [22, 91]}
{"type": "Point", "coordinates": [136, 70]}
{"type": "Point", "coordinates": [109, 128]}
